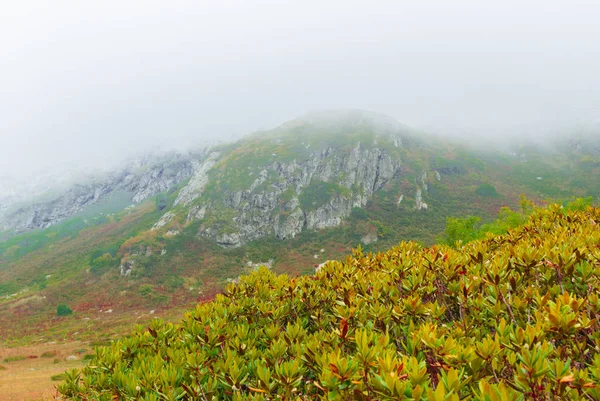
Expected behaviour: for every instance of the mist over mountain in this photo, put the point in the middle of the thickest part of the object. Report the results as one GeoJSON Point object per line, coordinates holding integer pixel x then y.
{"type": "Point", "coordinates": [88, 85]}
{"type": "Point", "coordinates": [28, 188]}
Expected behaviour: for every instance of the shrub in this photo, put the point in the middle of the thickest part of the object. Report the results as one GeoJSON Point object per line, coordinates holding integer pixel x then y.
{"type": "Point", "coordinates": [174, 282]}
{"type": "Point", "coordinates": [319, 192]}
{"type": "Point", "coordinates": [146, 290]}
{"type": "Point", "coordinates": [49, 354]}
{"type": "Point", "coordinates": [579, 204]}
{"type": "Point", "coordinates": [59, 377]}
{"type": "Point", "coordinates": [508, 317]}
{"type": "Point", "coordinates": [101, 263]}
{"type": "Point", "coordinates": [359, 213]}
{"type": "Point", "coordinates": [161, 202]}
{"type": "Point", "coordinates": [14, 358]}
{"type": "Point", "coordinates": [63, 310]}
{"type": "Point", "coordinates": [460, 229]}
{"type": "Point", "coordinates": [486, 190]}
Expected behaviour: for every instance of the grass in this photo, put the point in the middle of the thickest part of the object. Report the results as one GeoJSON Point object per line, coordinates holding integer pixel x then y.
{"type": "Point", "coordinates": [15, 358]}
{"type": "Point", "coordinates": [58, 377]}
{"type": "Point", "coordinates": [31, 379]}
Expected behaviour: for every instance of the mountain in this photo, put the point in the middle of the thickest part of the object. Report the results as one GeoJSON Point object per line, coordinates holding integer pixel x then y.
{"type": "Point", "coordinates": [511, 317]}
{"type": "Point", "coordinates": [308, 173]}
{"type": "Point", "coordinates": [167, 231]}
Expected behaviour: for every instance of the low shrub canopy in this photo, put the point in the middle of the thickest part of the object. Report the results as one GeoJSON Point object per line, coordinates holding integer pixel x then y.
{"type": "Point", "coordinates": [63, 310]}
{"type": "Point", "coordinates": [486, 190]}
{"type": "Point", "coordinates": [508, 317]}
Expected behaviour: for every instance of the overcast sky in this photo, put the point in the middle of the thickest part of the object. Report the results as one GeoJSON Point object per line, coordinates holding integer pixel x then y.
{"type": "Point", "coordinates": [90, 82]}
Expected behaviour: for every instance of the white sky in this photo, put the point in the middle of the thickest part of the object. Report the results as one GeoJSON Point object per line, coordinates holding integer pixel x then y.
{"type": "Point", "coordinates": [90, 82]}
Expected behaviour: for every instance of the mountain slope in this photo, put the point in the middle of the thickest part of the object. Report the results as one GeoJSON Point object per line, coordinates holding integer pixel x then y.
{"type": "Point", "coordinates": [131, 185]}
{"type": "Point", "coordinates": [511, 317]}
{"type": "Point", "coordinates": [293, 197]}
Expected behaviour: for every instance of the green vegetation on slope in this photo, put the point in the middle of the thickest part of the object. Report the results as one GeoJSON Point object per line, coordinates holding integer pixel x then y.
{"type": "Point", "coordinates": [508, 317]}
{"type": "Point", "coordinates": [464, 229]}
{"type": "Point", "coordinates": [77, 262]}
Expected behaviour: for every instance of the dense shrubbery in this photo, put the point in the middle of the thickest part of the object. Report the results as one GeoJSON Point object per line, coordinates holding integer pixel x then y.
{"type": "Point", "coordinates": [319, 193]}
{"type": "Point", "coordinates": [63, 310]}
{"type": "Point", "coordinates": [460, 230]}
{"type": "Point", "coordinates": [509, 317]}
{"type": "Point", "coordinates": [486, 190]}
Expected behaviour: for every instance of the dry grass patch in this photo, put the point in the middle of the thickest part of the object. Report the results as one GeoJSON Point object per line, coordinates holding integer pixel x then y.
{"type": "Point", "coordinates": [31, 378]}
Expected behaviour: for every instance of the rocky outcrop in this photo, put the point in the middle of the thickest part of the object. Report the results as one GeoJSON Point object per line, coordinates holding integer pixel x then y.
{"type": "Point", "coordinates": [164, 220]}
{"type": "Point", "coordinates": [139, 181]}
{"type": "Point", "coordinates": [158, 178]}
{"type": "Point", "coordinates": [43, 215]}
{"type": "Point", "coordinates": [332, 213]}
{"type": "Point", "coordinates": [419, 204]}
{"type": "Point", "coordinates": [198, 181]}
{"type": "Point", "coordinates": [126, 267]}
{"type": "Point", "coordinates": [355, 176]}
{"type": "Point", "coordinates": [424, 183]}
{"type": "Point", "coordinates": [450, 170]}
{"type": "Point", "coordinates": [369, 238]}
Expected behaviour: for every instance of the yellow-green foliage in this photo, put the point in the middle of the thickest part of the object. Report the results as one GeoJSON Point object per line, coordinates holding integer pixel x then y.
{"type": "Point", "coordinates": [511, 317]}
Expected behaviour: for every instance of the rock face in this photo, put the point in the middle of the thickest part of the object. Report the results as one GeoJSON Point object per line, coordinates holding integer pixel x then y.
{"type": "Point", "coordinates": [369, 238]}
{"type": "Point", "coordinates": [419, 204]}
{"type": "Point", "coordinates": [126, 267]}
{"type": "Point", "coordinates": [315, 193]}
{"type": "Point", "coordinates": [139, 181]}
{"type": "Point", "coordinates": [198, 180]}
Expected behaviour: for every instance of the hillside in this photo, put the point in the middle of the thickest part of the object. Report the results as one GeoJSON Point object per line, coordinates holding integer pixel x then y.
{"type": "Point", "coordinates": [168, 231]}
{"type": "Point", "coordinates": [509, 317]}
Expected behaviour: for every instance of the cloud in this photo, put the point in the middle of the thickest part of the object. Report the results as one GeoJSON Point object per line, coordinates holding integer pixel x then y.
{"type": "Point", "coordinates": [92, 82]}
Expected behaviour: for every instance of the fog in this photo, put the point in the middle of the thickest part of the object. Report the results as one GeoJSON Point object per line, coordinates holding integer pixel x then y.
{"type": "Point", "coordinates": [88, 83]}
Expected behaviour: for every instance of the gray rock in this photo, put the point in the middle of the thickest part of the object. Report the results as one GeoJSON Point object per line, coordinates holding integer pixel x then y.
{"type": "Point", "coordinates": [164, 220]}
{"type": "Point", "coordinates": [139, 180]}
{"type": "Point", "coordinates": [424, 181]}
{"type": "Point", "coordinates": [291, 225]}
{"type": "Point", "coordinates": [199, 180]}
{"type": "Point", "coordinates": [229, 240]}
{"type": "Point", "coordinates": [196, 213]}
{"type": "Point", "coordinates": [126, 267]}
{"type": "Point", "coordinates": [261, 212]}
{"type": "Point", "coordinates": [369, 238]}
{"type": "Point", "coordinates": [419, 204]}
